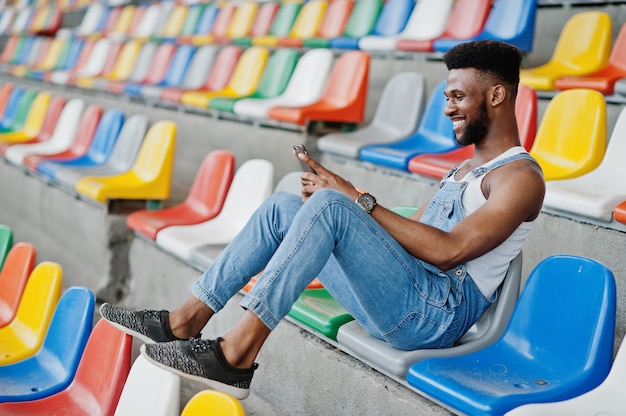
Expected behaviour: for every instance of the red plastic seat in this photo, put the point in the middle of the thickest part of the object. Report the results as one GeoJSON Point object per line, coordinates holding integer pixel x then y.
{"type": "Point", "coordinates": [466, 20]}
{"type": "Point", "coordinates": [344, 96]}
{"type": "Point", "coordinates": [604, 79]}
{"type": "Point", "coordinates": [98, 383]}
{"type": "Point", "coordinates": [205, 200]}
{"type": "Point", "coordinates": [620, 213]}
{"type": "Point", "coordinates": [80, 144]}
{"type": "Point", "coordinates": [218, 77]}
{"type": "Point", "coordinates": [437, 165]}
{"type": "Point", "coordinates": [14, 274]}
{"type": "Point", "coordinates": [47, 126]}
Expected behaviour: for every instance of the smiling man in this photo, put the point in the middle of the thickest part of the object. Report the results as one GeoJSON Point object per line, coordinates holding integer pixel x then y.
{"type": "Point", "coordinates": [418, 282]}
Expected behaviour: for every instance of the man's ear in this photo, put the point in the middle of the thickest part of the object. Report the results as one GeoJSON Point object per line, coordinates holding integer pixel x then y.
{"type": "Point", "coordinates": [497, 94]}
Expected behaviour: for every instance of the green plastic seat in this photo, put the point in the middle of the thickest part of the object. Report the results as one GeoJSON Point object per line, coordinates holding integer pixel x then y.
{"type": "Point", "coordinates": [283, 21]}
{"type": "Point", "coordinates": [273, 82]}
{"type": "Point", "coordinates": [192, 19]}
{"type": "Point", "coordinates": [22, 111]}
{"type": "Point", "coordinates": [361, 23]}
{"type": "Point", "coordinates": [6, 242]}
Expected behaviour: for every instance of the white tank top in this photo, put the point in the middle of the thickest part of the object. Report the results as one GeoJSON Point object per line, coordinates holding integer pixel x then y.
{"type": "Point", "coordinates": [488, 270]}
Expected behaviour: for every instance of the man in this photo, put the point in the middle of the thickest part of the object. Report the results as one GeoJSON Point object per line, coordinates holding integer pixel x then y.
{"type": "Point", "coordinates": [417, 282]}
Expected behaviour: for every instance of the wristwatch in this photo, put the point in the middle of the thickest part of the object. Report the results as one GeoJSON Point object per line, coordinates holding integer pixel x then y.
{"type": "Point", "coordinates": [366, 201]}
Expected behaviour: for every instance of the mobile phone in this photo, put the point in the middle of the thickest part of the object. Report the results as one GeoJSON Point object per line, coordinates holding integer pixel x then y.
{"type": "Point", "coordinates": [300, 148]}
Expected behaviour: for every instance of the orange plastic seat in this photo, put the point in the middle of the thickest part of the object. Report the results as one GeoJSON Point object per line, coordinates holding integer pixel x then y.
{"type": "Point", "coordinates": [620, 213]}
{"type": "Point", "coordinates": [98, 383]}
{"type": "Point", "coordinates": [14, 274]}
{"type": "Point", "coordinates": [315, 284]}
{"type": "Point", "coordinates": [437, 165]}
{"type": "Point", "coordinates": [150, 177]}
{"type": "Point", "coordinates": [205, 200]}
{"type": "Point", "coordinates": [344, 96]}
{"type": "Point", "coordinates": [604, 79]}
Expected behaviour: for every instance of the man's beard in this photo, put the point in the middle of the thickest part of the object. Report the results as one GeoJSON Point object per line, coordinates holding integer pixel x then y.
{"type": "Point", "coordinates": [475, 131]}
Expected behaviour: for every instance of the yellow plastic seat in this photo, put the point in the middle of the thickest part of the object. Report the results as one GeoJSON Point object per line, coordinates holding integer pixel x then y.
{"type": "Point", "coordinates": [306, 24]}
{"type": "Point", "coordinates": [33, 122]}
{"type": "Point", "coordinates": [213, 402]}
{"type": "Point", "coordinates": [583, 47]}
{"type": "Point", "coordinates": [52, 55]}
{"type": "Point", "coordinates": [174, 22]}
{"type": "Point", "coordinates": [243, 82]}
{"type": "Point", "coordinates": [123, 23]}
{"type": "Point", "coordinates": [571, 139]}
{"type": "Point", "coordinates": [242, 20]}
{"type": "Point", "coordinates": [24, 335]}
{"type": "Point", "coordinates": [150, 176]}
{"type": "Point", "coordinates": [125, 62]}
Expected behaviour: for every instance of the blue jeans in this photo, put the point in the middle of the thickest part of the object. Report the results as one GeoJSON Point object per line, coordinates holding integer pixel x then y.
{"type": "Point", "coordinates": [395, 296]}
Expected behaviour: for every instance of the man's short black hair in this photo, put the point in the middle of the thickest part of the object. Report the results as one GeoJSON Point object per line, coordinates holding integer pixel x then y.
{"type": "Point", "coordinates": [496, 58]}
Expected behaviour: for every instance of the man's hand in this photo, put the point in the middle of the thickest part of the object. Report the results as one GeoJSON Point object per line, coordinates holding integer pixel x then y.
{"type": "Point", "coordinates": [323, 178]}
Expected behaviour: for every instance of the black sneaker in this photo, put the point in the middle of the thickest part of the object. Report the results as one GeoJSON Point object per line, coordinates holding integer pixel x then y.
{"type": "Point", "coordinates": [201, 360]}
{"type": "Point", "coordinates": [147, 325]}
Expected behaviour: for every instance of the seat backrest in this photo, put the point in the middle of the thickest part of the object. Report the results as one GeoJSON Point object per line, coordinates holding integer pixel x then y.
{"type": "Point", "coordinates": [143, 61]}
{"type": "Point", "coordinates": [248, 71]}
{"type": "Point", "coordinates": [128, 143]}
{"type": "Point", "coordinates": [51, 118]}
{"type": "Point", "coordinates": [6, 242]}
{"type": "Point", "coordinates": [571, 139]}
{"type": "Point", "coordinates": [11, 106]}
{"type": "Point", "coordinates": [9, 48]}
{"type": "Point", "coordinates": [174, 22]}
{"type": "Point", "coordinates": [277, 72]}
{"type": "Point", "coordinates": [310, 75]}
{"type": "Point", "coordinates": [83, 58]}
{"type": "Point", "coordinates": [161, 60]}
{"type": "Point", "coordinates": [97, 58]}
{"type": "Point", "coordinates": [67, 46]}
{"type": "Point", "coordinates": [221, 404]}
{"type": "Point", "coordinates": [5, 94]}
{"type": "Point", "coordinates": [573, 336]}
{"type": "Point", "coordinates": [112, 18]}
{"type": "Point", "coordinates": [309, 19]}
{"type": "Point", "coordinates": [393, 17]}
{"type": "Point", "coordinates": [23, 108]}
{"type": "Point", "coordinates": [264, 18]}
{"type": "Point", "coordinates": [91, 18]}
{"type": "Point", "coordinates": [192, 18]}
{"type": "Point", "coordinates": [335, 19]}
{"type": "Point", "coordinates": [512, 20]}
{"type": "Point", "coordinates": [106, 135]}
{"type": "Point", "coordinates": [166, 10]}
{"type": "Point", "coordinates": [37, 114]}
{"type": "Point", "coordinates": [434, 124]}
{"type": "Point", "coordinates": [428, 19]}
{"type": "Point", "coordinates": [212, 182]}
{"type": "Point", "coordinates": [85, 130]}
{"type": "Point", "coordinates": [585, 41]}
{"type": "Point", "coordinates": [363, 18]}
{"type": "Point", "coordinates": [285, 18]}
{"type": "Point", "coordinates": [199, 67]}
{"type": "Point", "coordinates": [155, 157]}
{"type": "Point", "coordinates": [401, 103]}
{"type": "Point", "coordinates": [526, 115]}
{"type": "Point", "coordinates": [145, 27]}
{"type": "Point", "coordinates": [126, 60]}
{"type": "Point", "coordinates": [6, 19]}
{"type": "Point", "coordinates": [241, 21]}
{"type": "Point", "coordinates": [222, 20]}
{"type": "Point", "coordinates": [207, 19]}
{"type": "Point", "coordinates": [222, 70]}
{"type": "Point", "coordinates": [618, 51]}
{"type": "Point", "coordinates": [178, 66]}
{"type": "Point", "coordinates": [123, 24]}
{"type": "Point", "coordinates": [67, 122]}
{"type": "Point", "coordinates": [14, 273]}
{"type": "Point", "coordinates": [347, 79]}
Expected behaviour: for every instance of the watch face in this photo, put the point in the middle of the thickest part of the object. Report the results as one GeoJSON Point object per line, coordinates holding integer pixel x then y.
{"type": "Point", "coordinates": [367, 202]}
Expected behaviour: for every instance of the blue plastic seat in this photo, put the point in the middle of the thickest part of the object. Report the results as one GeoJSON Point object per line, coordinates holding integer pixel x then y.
{"type": "Point", "coordinates": [558, 345]}
{"type": "Point", "coordinates": [434, 135]}
{"type": "Point", "coordinates": [99, 151]}
{"type": "Point", "coordinates": [205, 23]}
{"type": "Point", "coordinates": [11, 108]}
{"type": "Point", "coordinates": [510, 21]}
{"type": "Point", "coordinates": [54, 365]}
{"type": "Point", "coordinates": [175, 72]}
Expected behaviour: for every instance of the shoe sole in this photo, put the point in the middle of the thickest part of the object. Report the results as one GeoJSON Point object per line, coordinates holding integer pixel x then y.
{"type": "Point", "coordinates": [236, 392]}
{"type": "Point", "coordinates": [129, 331]}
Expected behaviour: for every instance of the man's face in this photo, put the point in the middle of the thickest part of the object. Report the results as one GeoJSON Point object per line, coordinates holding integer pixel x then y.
{"type": "Point", "coordinates": [467, 106]}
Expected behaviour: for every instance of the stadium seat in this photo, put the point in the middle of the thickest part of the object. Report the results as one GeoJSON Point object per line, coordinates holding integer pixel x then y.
{"type": "Point", "coordinates": [273, 81]}
{"type": "Point", "coordinates": [6, 242]}
{"type": "Point", "coordinates": [52, 68]}
{"type": "Point", "coordinates": [20, 114]}
{"type": "Point", "coordinates": [397, 115]}
{"type": "Point", "coordinates": [510, 21]}
{"type": "Point", "coordinates": [175, 75]}
{"type": "Point", "coordinates": [261, 25]}
{"type": "Point", "coordinates": [436, 165]}
{"type": "Point", "coordinates": [491, 325]}
{"type": "Point", "coordinates": [121, 159]}
{"type": "Point", "coordinates": [57, 56]}
{"type": "Point", "coordinates": [604, 79]}
{"type": "Point", "coordinates": [343, 99]}
{"type": "Point", "coordinates": [434, 135]}
{"type": "Point", "coordinates": [332, 25]}
{"type": "Point", "coordinates": [244, 79]}
{"type": "Point", "coordinates": [192, 17]}
{"type": "Point", "coordinates": [157, 69]}
{"type": "Point", "coordinates": [25, 334]}
{"type": "Point", "coordinates": [54, 365]}
{"type": "Point", "coordinates": [138, 68]}
{"type": "Point", "coordinates": [99, 380]}
{"type": "Point", "coordinates": [215, 77]}
{"type": "Point", "coordinates": [281, 25]}
{"type": "Point", "coordinates": [33, 122]}
{"type": "Point", "coordinates": [76, 146]}
{"type": "Point", "coordinates": [241, 21]}
{"type": "Point", "coordinates": [620, 212]}
{"type": "Point", "coordinates": [11, 107]}
{"type": "Point", "coordinates": [306, 25]}
{"type": "Point", "coordinates": [204, 25]}
{"type": "Point", "coordinates": [99, 149]}
{"type": "Point", "coordinates": [305, 86]}
{"type": "Point", "coordinates": [14, 273]}
{"type": "Point", "coordinates": [221, 404]}
{"type": "Point", "coordinates": [6, 90]}
{"type": "Point", "coordinates": [149, 390]}
{"type": "Point", "coordinates": [59, 141]}
{"type": "Point", "coordinates": [91, 68]}
{"type": "Point", "coordinates": [571, 139]}
{"type": "Point", "coordinates": [148, 179]}
{"type": "Point", "coordinates": [427, 21]}
{"type": "Point", "coordinates": [596, 193]}
{"type": "Point", "coordinates": [576, 342]}
{"type": "Point", "coordinates": [466, 20]}
{"type": "Point", "coordinates": [583, 47]}
{"type": "Point", "coordinates": [127, 59]}
{"type": "Point", "coordinates": [606, 399]}
{"type": "Point", "coordinates": [173, 24]}
{"type": "Point", "coordinates": [251, 185]}
{"type": "Point", "coordinates": [123, 23]}
{"type": "Point", "coordinates": [219, 26]}
{"type": "Point", "coordinates": [318, 311]}
{"type": "Point", "coordinates": [149, 21]}
{"type": "Point", "coordinates": [9, 49]}
{"type": "Point", "coordinates": [204, 201]}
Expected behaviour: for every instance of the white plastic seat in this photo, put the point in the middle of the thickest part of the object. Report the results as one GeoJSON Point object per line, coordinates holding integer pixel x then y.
{"type": "Point", "coordinates": [305, 86]}
{"type": "Point", "coordinates": [397, 115]}
{"type": "Point", "coordinates": [21, 20]}
{"type": "Point", "coordinates": [596, 193]}
{"type": "Point", "coordinates": [60, 140]}
{"type": "Point", "coordinates": [5, 21]}
{"type": "Point", "coordinates": [147, 25]}
{"type": "Point", "coordinates": [491, 325]}
{"type": "Point", "coordinates": [149, 390]}
{"type": "Point", "coordinates": [94, 65]}
{"type": "Point", "coordinates": [91, 19]}
{"type": "Point", "coordinates": [427, 21]}
{"type": "Point", "coordinates": [251, 185]}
